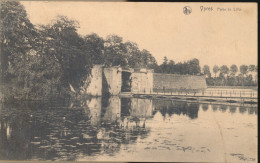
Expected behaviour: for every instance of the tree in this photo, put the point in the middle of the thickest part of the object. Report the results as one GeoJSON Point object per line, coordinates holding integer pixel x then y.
{"type": "Point", "coordinates": [164, 65]}
{"type": "Point", "coordinates": [115, 51]}
{"type": "Point", "coordinates": [215, 70]}
{"type": "Point", "coordinates": [194, 66]}
{"type": "Point", "coordinates": [243, 69]}
{"type": "Point", "coordinates": [251, 68]}
{"type": "Point", "coordinates": [165, 60]}
{"type": "Point", "coordinates": [148, 61]}
{"type": "Point", "coordinates": [133, 54]}
{"type": "Point", "coordinates": [63, 42]}
{"type": "Point", "coordinates": [17, 37]}
{"type": "Point", "coordinates": [233, 70]}
{"type": "Point", "coordinates": [224, 70]}
{"type": "Point", "coordinates": [206, 71]}
{"type": "Point", "coordinates": [94, 46]}
{"type": "Point", "coordinates": [171, 66]}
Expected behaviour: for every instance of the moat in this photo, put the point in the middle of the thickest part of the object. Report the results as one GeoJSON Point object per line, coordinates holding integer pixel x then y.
{"type": "Point", "coordinates": [129, 129]}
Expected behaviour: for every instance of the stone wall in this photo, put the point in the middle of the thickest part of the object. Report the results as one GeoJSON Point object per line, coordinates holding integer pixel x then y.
{"type": "Point", "coordinates": [178, 82]}
{"type": "Point", "coordinates": [142, 82]}
{"type": "Point", "coordinates": [95, 86]}
{"type": "Point", "coordinates": [113, 80]}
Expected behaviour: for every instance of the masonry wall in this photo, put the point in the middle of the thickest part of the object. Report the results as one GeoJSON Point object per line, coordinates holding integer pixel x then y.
{"type": "Point", "coordinates": [142, 82]}
{"type": "Point", "coordinates": [95, 86]}
{"type": "Point", "coordinates": [113, 80]}
{"type": "Point", "coordinates": [177, 82]}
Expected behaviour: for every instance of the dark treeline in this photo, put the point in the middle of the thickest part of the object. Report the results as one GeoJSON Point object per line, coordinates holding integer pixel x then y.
{"type": "Point", "coordinates": [231, 76]}
{"type": "Point", "coordinates": [191, 67]}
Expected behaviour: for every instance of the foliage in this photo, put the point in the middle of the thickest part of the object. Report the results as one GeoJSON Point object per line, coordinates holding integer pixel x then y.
{"type": "Point", "coordinates": [17, 37]}
{"type": "Point", "coordinates": [233, 70]}
{"type": "Point", "coordinates": [215, 70]}
{"type": "Point", "coordinates": [68, 48]}
{"type": "Point", "coordinates": [206, 71]}
{"type": "Point", "coordinates": [229, 77]}
{"type": "Point", "coordinates": [94, 47]}
{"type": "Point", "coordinates": [191, 67]}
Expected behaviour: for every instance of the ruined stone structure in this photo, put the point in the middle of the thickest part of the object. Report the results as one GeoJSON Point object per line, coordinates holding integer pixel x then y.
{"type": "Point", "coordinates": [116, 80]}
{"type": "Point", "coordinates": [113, 80]}
{"type": "Point", "coordinates": [95, 82]}
{"type": "Point", "coordinates": [142, 81]}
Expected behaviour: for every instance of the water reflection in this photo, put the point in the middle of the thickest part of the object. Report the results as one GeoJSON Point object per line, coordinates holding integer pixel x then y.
{"type": "Point", "coordinates": [175, 107]}
{"type": "Point", "coordinates": [94, 127]}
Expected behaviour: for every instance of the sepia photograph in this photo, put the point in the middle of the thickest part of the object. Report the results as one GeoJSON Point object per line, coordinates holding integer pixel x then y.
{"type": "Point", "coordinates": [128, 81]}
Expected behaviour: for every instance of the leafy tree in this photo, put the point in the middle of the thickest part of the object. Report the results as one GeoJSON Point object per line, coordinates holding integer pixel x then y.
{"type": "Point", "coordinates": [243, 69]}
{"type": "Point", "coordinates": [224, 70]}
{"type": "Point", "coordinates": [194, 66]}
{"type": "Point", "coordinates": [148, 61]}
{"type": "Point", "coordinates": [233, 70]}
{"type": "Point", "coordinates": [215, 70]}
{"type": "Point", "coordinates": [206, 71]}
{"type": "Point", "coordinates": [133, 54]}
{"type": "Point", "coordinates": [17, 37]}
{"type": "Point", "coordinates": [249, 80]}
{"type": "Point", "coordinates": [94, 46]}
{"type": "Point", "coordinates": [171, 66]}
{"type": "Point", "coordinates": [251, 68]}
{"type": "Point", "coordinates": [63, 42]}
{"type": "Point", "coordinates": [115, 51]}
{"type": "Point", "coordinates": [165, 60]}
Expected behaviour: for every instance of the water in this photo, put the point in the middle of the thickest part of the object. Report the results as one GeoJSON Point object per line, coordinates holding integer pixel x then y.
{"type": "Point", "coordinates": [129, 129]}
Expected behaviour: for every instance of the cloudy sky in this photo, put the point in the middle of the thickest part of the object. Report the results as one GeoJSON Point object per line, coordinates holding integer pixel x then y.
{"type": "Point", "coordinates": [214, 37]}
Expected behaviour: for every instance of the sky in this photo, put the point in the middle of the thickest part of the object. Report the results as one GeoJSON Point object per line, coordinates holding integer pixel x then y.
{"type": "Point", "coordinates": [214, 37]}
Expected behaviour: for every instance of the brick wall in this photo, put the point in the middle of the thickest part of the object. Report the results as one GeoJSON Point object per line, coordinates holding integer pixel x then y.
{"type": "Point", "coordinates": [177, 82]}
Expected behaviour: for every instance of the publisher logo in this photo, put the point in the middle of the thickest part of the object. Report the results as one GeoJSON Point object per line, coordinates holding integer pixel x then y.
{"type": "Point", "coordinates": [187, 10]}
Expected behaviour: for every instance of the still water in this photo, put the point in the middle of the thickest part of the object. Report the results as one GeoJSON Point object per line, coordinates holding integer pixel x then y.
{"type": "Point", "coordinates": [128, 129]}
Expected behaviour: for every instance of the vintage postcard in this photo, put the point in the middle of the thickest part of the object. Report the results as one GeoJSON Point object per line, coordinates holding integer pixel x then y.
{"type": "Point", "coordinates": [128, 81]}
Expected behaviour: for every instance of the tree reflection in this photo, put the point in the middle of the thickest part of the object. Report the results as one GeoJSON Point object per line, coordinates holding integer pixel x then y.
{"type": "Point", "coordinates": [233, 109]}
{"type": "Point", "coordinates": [242, 110]}
{"type": "Point", "coordinates": [205, 107]}
{"type": "Point", "coordinates": [179, 108]}
{"type": "Point", "coordinates": [58, 132]}
{"type": "Point", "coordinates": [214, 107]}
{"type": "Point", "coordinates": [223, 108]}
{"type": "Point", "coordinates": [251, 110]}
